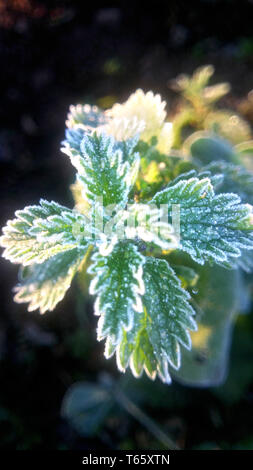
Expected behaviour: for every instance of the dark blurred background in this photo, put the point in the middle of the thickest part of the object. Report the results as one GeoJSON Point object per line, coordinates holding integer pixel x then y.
{"type": "Point", "coordinates": [52, 54]}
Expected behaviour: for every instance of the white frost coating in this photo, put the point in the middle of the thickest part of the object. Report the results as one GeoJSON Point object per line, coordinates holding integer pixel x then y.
{"type": "Point", "coordinates": [102, 171]}
{"type": "Point", "coordinates": [164, 373]}
{"type": "Point", "coordinates": [107, 246]}
{"type": "Point", "coordinates": [47, 283]}
{"type": "Point", "coordinates": [153, 343]}
{"type": "Point", "coordinates": [39, 232]}
{"type": "Point", "coordinates": [136, 373]}
{"type": "Point", "coordinates": [133, 369]}
{"type": "Point", "coordinates": [67, 150]}
{"type": "Point", "coordinates": [139, 276]}
{"type": "Point", "coordinates": [212, 227]}
{"type": "Point", "coordinates": [137, 306]}
{"type": "Point", "coordinates": [118, 285]}
{"type": "Point", "coordinates": [118, 361]}
{"type": "Point", "coordinates": [169, 311]}
{"type": "Point", "coordinates": [92, 288]}
{"type": "Point", "coordinates": [132, 174]}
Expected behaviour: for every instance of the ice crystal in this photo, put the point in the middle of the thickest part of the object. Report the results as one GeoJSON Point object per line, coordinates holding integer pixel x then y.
{"type": "Point", "coordinates": [212, 227]}
{"type": "Point", "coordinates": [44, 285]}
{"type": "Point", "coordinates": [102, 171]}
{"type": "Point", "coordinates": [153, 343]}
{"type": "Point", "coordinates": [40, 232]}
{"type": "Point", "coordinates": [118, 285]}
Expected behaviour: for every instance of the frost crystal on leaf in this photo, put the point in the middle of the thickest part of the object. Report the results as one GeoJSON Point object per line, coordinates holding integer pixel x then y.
{"type": "Point", "coordinates": [40, 232]}
{"type": "Point", "coordinates": [44, 285]}
{"type": "Point", "coordinates": [212, 227]}
{"type": "Point", "coordinates": [102, 170]}
{"type": "Point", "coordinates": [170, 312]}
{"type": "Point", "coordinates": [118, 284]}
{"type": "Point", "coordinates": [80, 121]}
{"type": "Point", "coordinates": [215, 179]}
{"type": "Point", "coordinates": [153, 343]}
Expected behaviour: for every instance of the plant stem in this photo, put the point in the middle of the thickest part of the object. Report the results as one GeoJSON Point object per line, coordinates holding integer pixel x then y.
{"type": "Point", "coordinates": [145, 420]}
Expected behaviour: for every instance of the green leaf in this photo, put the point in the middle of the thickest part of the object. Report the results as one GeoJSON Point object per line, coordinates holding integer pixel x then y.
{"type": "Point", "coordinates": [102, 170]}
{"type": "Point", "coordinates": [154, 341]}
{"type": "Point", "coordinates": [245, 153]}
{"type": "Point", "coordinates": [40, 232]}
{"type": "Point", "coordinates": [86, 406]}
{"type": "Point", "coordinates": [206, 147]}
{"type": "Point", "coordinates": [195, 88]}
{"type": "Point", "coordinates": [118, 285]}
{"type": "Point", "coordinates": [169, 311]}
{"type": "Point", "coordinates": [44, 285]}
{"type": "Point", "coordinates": [73, 140]}
{"type": "Point", "coordinates": [136, 350]}
{"type": "Point", "coordinates": [245, 148]}
{"type": "Point", "coordinates": [188, 276]}
{"type": "Point", "coordinates": [215, 179]}
{"type": "Point", "coordinates": [85, 116]}
{"type": "Point", "coordinates": [195, 83]}
{"type": "Point", "coordinates": [245, 261]}
{"type": "Point", "coordinates": [81, 119]}
{"type": "Point", "coordinates": [235, 179]}
{"type": "Point", "coordinates": [216, 301]}
{"type": "Point", "coordinates": [74, 137]}
{"type": "Point", "coordinates": [212, 227]}
{"type": "Point", "coordinates": [129, 150]}
{"type": "Point", "coordinates": [226, 178]}
{"type": "Point", "coordinates": [214, 93]}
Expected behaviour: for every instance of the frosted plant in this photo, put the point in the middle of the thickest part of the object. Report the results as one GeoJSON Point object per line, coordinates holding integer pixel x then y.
{"type": "Point", "coordinates": [122, 229]}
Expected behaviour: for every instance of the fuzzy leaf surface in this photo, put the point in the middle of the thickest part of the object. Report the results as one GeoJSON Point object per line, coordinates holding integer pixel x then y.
{"type": "Point", "coordinates": [153, 343]}
{"type": "Point", "coordinates": [44, 285]}
{"type": "Point", "coordinates": [212, 227]}
{"type": "Point", "coordinates": [167, 305]}
{"type": "Point", "coordinates": [40, 232]}
{"type": "Point", "coordinates": [102, 170]}
{"type": "Point", "coordinates": [118, 285]}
